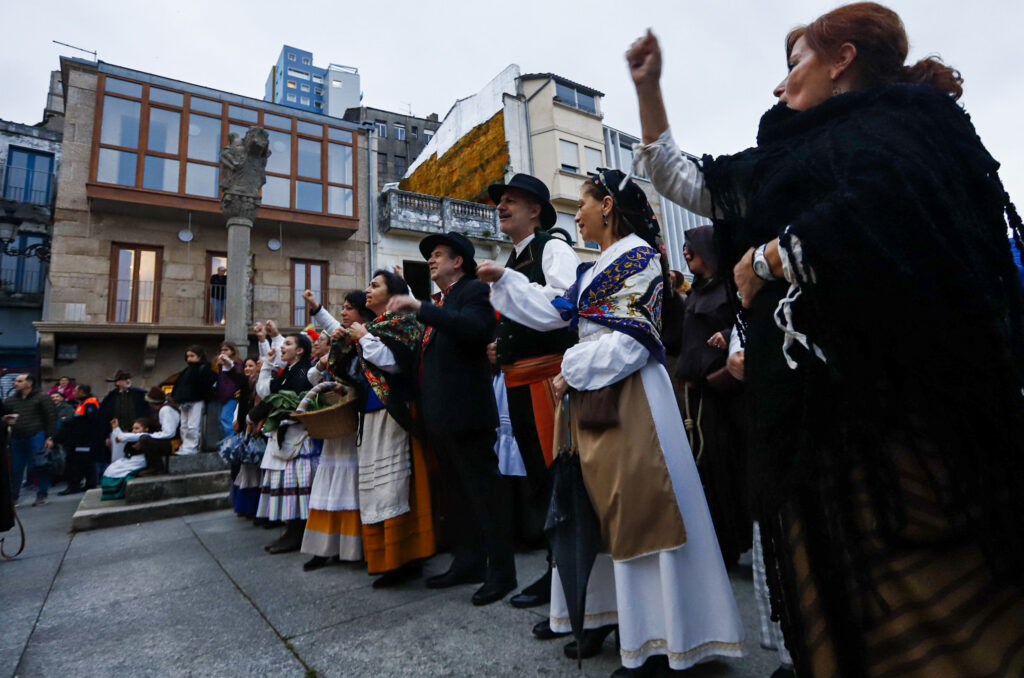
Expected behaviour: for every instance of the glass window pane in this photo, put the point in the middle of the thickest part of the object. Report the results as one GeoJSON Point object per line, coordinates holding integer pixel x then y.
{"type": "Point", "coordinates": [271, 120]}
{"type": "Point", "coordinates": [206, 106]}
{"type": "Point", "coordinates": [132, 89]}
{"type": "Point", "coordinates": [120, 122]}
{"type": "Point", "coordinates": [565, 93]}
{"type": "Point", "coordinates": [160, 174]}
{"type": "Point", "coordinates": [276, 192]}
{"type": "Point", "coordinates": [625, 158]}
{"type": "Point", "coordinates": [203, 137]}
{"type": "Point", "coordinates": [310, 129]}
{"type": "Point", "coordinates": [239, 113]}
{"type": "Point", "coordinates": [593, 158]}
{"type": "Point", "coordinates": [201, 179]}
{"type": "Point", "coordinates": [147, 286]}
{"type": "Point", "coordinates": [309, 196]}
{"type": "Point", "coordinates": [570, 155]}
{"type": "Point", "coordinates": [339, 164]}
{"type": "Point", "coordinates": [238, 130]}
{"type": "Point", "coordinates": [280, 159]}
{"type": "Point", "coordinates": [116, 167]}
{"type": "Point", "coordinates": [123, 286]}
{"type": "Point", "coordinates": [309, 158]}
{"type": "Point", "coordinates": [339, 200]}
{"type": "Point", "coordinates": [163, 130]}
{"type": "Point", "coordinates": [316, 279]}
{"type": "Point", "coordinates": [335, 134]}
{"type": "Point", "coordinates": [585, 102]}
{"type": "Point", "coordinates": [166, 97]}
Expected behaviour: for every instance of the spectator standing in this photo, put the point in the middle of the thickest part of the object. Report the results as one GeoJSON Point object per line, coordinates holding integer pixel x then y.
{"type": "Point", "coordinates": [193, 386]}
{"type": "Point", "coordinates": [231, 380]}
{"type": "Point", "coordinates": [65, 386]}
{"type": "Point", "coordinates": [82, 437]}
{"type": "Point", "coordinates": [31, 436]}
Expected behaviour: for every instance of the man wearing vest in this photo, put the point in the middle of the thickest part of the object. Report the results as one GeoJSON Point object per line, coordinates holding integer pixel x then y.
{"type": "Point", "coordinates": [528, 358]}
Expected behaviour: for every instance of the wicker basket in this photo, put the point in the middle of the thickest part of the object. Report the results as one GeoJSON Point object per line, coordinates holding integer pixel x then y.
{"type": "Point", "coordinates": [337, 420]}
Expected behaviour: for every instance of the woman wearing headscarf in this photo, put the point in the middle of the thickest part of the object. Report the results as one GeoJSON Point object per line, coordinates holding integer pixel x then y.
{"type": "Point", "coordinates": [394, 493]}
{"type": "Point", "coordinates": [710, 396]}
{"type": "Point", "coordinates": [290, 460]}
{"type": "Point", "coordinates": [662, 579]}
{"type": "Point", "coordinates": [333, 529]}
{"type": "Point", "coordinates": [885, 352]}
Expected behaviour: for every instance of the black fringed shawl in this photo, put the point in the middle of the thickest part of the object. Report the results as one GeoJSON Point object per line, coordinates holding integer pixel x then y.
{"type": "Point", "coordinates": [915, 302]}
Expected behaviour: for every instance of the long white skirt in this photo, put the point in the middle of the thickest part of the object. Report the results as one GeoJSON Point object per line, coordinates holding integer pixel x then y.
{"type": "Point", "coordinates": [336, 483]}
{"type": "Point", "coordinates": [677, 603]}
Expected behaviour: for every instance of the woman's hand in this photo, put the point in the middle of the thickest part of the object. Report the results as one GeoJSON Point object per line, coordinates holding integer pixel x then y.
{"type": "Point", "coordinates": [735, 365]}
{"type": "Point", "coordinates": [644, 59]}
{"type": "Point", "coordinates": [560, 385]}
{"type": "Point", "coordinates": [489, 272]}
{"type": "Point", "coordinates": [310, 298]}
{"type": "Point", "coordinates": [718, 341]}
{"type": "Point", "coordinates": [338, 333]}
{"type": "Point", "coordinates": [357, 331]}
{"type": "Point", "coordinates": [321, 364]}
{"type": "Point", "coordinates": [259, 331]}
{"type": "Point", "coordinates": [271, 328]}
{"type": "Point", "coordinates": [747, 284]}
{"type": "Point", "coordinates": [113, 423]}
{"type": "Point", "coordinates": [271, 354]}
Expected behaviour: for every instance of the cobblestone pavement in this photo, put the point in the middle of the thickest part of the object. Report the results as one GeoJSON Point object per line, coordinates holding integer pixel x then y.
{"type": "Point", "coordinates": [197, 596]}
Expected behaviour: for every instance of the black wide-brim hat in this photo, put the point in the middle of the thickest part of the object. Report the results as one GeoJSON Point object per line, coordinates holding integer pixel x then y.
{"type": "Point", "coordinates": [460, 245]}
{"type": "Point", "coordinates": [533, 186]}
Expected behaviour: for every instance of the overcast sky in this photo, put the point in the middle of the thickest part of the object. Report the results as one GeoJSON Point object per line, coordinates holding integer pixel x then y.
{"type": "Point", "coordinates": [722, 57]}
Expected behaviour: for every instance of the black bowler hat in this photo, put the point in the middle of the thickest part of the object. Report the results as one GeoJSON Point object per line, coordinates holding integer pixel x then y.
{"type": "Point", "coordinates": [533, 186]}
{"type": "Point", "coordinates": [460, 244]}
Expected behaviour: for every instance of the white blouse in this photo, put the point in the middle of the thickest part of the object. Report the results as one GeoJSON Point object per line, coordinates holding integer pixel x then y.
{"type": "Point", "coordinates": [603, 355]}
{"type": "Point", "coordinates": [674, 175]}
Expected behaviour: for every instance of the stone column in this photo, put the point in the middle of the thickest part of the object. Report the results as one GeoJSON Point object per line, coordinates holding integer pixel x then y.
{"type": "Point", "coordinates": [236, 306]}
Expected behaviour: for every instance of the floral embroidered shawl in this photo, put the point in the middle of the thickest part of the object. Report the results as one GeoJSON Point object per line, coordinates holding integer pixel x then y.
{"type": "Point", "coordinates": [626, 296]}
{"type": "Point", "coordinates": [401, 333]}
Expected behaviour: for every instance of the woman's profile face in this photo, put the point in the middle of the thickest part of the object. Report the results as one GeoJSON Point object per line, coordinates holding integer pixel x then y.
{"type": "Point", "coordinates": [290, 350]}
{"type": "Point", "coordinates": [590, 217]}
{"type": "Point", "coordinates": [191, 357]}
{"type": "Point", "coordinates": [250, 368]}
{"type": "Point", "coordinates": [349, 315]}
{"type": "Point", "coordinates": [809, 80]}
{"type": "Point", "coordinates": [377, 294]}
{"type": "Point", "coordinates": [694, 262]}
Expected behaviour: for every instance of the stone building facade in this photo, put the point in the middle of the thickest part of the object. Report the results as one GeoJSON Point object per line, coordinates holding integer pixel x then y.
{"type": "Point", "coordinates": [138, 231]}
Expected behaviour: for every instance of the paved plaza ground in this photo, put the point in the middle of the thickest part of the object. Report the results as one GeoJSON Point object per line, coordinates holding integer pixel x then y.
{"type": "Point", "coordinates": [198, 596]}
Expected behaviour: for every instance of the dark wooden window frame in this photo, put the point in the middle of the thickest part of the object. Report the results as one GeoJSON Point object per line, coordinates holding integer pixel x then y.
{"type": "Point", "coordinates": [225, 121]}
{"type": "Point", "coordinates": [158, 273]}
{"type": "Point", "coordinates": [324, 278]}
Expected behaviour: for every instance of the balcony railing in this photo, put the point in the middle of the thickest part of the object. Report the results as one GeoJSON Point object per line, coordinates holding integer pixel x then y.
{"type": "Point", "coordinates": [24, 185]}
{"type": "Point", "coordinates": [405, 211]}
{"type": "Point", "coordinates": [27, 282]}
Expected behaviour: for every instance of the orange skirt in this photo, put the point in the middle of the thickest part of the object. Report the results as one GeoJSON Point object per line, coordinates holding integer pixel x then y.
{"type": "Point", "coordinates": [537, 373]}
{"type": "Point", "coordinates": [333, 533]}
{"type": "Point", "coordinates": [396, 541]}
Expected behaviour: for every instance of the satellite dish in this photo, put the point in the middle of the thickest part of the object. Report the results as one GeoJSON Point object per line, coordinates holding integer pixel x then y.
{"type": "Point", "coordinates": [273, 244]}
{"type": "Point", "coordinates": [185, 235]}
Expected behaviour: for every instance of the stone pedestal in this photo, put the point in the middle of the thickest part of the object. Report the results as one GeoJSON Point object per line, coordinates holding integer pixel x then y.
{"type": "Point", "coordinates": [236, 306]}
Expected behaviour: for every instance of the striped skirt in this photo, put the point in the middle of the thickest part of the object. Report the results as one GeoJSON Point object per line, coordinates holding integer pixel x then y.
{"type": "Point", "coordinates": [934, 611]}
{"type": "Point", "coordinates": [284, 495]}
{"type": "Point", "coordinates": [333, 533]}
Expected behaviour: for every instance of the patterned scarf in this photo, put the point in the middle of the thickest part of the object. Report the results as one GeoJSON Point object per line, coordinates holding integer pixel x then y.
{"type": "Point", "coordinates": [633, 308]}
{"type": "Point", "coordinates": [401, 333]}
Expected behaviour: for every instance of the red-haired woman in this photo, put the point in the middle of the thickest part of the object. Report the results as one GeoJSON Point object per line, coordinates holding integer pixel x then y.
{"type": "Point", "coordinates": [884, 353]}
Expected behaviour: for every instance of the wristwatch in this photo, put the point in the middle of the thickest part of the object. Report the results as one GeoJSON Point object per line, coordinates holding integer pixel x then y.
{"type": "Point", "coordinates": [762, 269]}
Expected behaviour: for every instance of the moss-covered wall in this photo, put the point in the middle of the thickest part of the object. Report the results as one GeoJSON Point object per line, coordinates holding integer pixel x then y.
{"type": "Point", "coordinates": [479, 159]}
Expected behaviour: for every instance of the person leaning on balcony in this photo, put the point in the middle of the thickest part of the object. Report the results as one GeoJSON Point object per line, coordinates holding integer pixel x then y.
{"type": "Point", "coordinates": [529, 358]}
{"type": "Point", "coordinates": [192, 389]}
{"type": "Point", "coordinates": [218, 291]}
{"type": "Point", "coordinates": [461, 417]}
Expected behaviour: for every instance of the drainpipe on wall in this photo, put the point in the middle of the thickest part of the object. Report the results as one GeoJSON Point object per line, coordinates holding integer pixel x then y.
{"type": "Point", "coordinates": [371, 206]}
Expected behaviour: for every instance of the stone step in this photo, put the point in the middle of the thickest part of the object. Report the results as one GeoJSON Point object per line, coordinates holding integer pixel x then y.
{"type": "Point", "coordinates": [94, 514]}
{"type": "Point", "coordinates": [204, 462]}
{"type": "Point", "coordinates": [156, 488]}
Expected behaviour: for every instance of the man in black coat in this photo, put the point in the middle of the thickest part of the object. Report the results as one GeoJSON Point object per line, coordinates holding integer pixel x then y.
{"type": "Point", "coordinates": [461, 417]}
{"type": "Point", "coordinates": [124, 402]}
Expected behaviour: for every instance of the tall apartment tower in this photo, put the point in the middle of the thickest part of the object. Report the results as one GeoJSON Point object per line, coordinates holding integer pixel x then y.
{"type": "Point", "coordinates": [294, 81]}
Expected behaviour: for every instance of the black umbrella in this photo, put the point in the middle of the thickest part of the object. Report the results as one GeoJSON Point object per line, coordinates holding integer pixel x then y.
{"type": "Point", "coordinates": [573, 529]}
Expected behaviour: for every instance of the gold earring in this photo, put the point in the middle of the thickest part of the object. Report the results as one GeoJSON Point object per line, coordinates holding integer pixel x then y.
{"type": "Point", "coordinates": [835, 89]}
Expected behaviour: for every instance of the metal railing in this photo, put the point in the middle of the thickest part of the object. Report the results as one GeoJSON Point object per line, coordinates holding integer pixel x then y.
{"type": "Point", "coordinates": [29, 281]}
{"type": "Point", "coordinates": [405, 211]}
{"type": "Point", "coordinates": [20, 184]}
